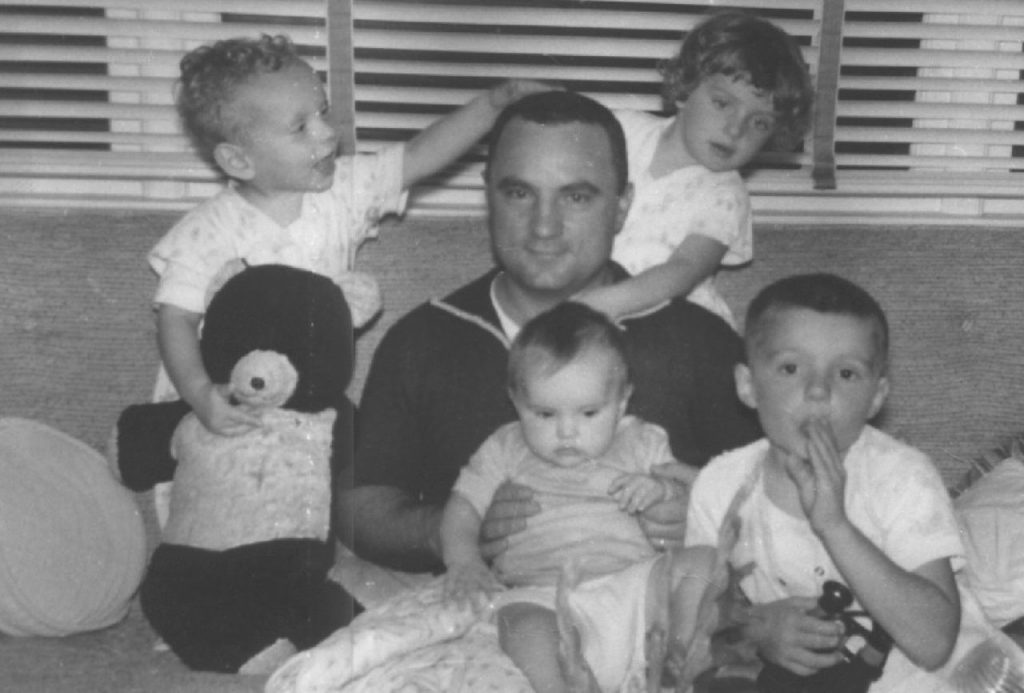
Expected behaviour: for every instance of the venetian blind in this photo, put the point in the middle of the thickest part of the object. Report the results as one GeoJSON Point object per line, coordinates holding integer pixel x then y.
{"type": "Point", "coordinates": [86, 93]}
{"type": "Point", "coordinates": [920, 114]}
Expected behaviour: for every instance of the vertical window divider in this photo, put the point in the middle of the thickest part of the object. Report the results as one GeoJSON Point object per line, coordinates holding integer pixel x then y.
{"type": "Point", "coordinates": [823, 130]}
{"type": "Point", "coordinates": [341, 71]}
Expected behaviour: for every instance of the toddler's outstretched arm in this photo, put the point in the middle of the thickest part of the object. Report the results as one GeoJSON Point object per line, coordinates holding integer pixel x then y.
{"type": "Point", "coordinates": [445, 139]}
{"type": "Point", "coordinates": [696, 259]}
{"type": "Point", "coordinates": [178, 339]}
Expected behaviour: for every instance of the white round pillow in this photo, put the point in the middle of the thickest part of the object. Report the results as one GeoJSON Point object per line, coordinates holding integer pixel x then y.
{"type": "Point", "coordinates": [72, 541]}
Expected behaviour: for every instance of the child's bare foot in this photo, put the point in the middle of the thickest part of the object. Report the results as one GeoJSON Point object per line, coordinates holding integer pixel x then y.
{"type": "Point", "coordinates": [579, 678]}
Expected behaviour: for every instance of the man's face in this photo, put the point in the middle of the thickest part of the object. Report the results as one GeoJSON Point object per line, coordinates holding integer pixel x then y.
{"type": "Point", "coordinates": [554, 206]}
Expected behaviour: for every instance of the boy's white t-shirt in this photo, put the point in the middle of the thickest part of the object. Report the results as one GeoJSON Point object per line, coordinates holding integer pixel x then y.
{"type": "Point", "coordinates": [894, 495]}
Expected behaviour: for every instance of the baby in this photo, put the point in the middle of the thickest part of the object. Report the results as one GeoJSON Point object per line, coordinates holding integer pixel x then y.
{"type": "Point", "coordinates": [831, 497]}
{"type": "Point", "coordinates": [737, 83]}
{"type": "Point", "coordinates": [590, 466]}
{"type": "Point", "coordinates": [258, 112]}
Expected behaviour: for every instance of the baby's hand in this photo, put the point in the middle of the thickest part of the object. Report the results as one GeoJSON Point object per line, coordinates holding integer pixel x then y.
{"type": "Point", "coordinates": [216, 412]}
{"type": "Point", "coordinates": [362, 294]}
{"type": "Point", "coordinates": [471, 582]}
{"type": "Point", "coordinates": [514, 89]}
{"type": "Point", "coordinates": [635, 493]}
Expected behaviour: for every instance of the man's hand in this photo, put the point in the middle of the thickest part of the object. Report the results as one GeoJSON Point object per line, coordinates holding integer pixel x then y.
{"type": "Point", "coordinates": [664, 523]}
{"type": "Point", "coordinates": [788, 634]}
{"type": "Point", "coordinates": [511, 506]}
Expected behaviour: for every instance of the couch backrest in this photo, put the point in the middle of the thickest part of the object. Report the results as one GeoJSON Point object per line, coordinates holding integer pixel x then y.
{"type": "Point", "coordinates": [78, 335]}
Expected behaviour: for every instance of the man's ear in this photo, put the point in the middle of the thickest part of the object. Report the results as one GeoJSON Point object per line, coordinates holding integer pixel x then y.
{"type": "Point", "coordinates": [625, 202]}
{"type": "Point", "coordinates": [881, 394]}
{"type": "Point", "coordinates": [233, 161]}
{"type": "Point", "coordinates": [745, 385]}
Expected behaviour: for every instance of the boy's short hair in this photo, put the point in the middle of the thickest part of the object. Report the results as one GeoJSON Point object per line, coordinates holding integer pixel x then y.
{"type": "Point", "coordinates": [210, 76]}
{"type": "Point", "coordinates": [737, 44]}
{"type": "Point", "coordinates": [557, 336]}
{"type": "Point", "coordinates": [562, 108]}
{"type": "Point", "coordinates": [822, 293]}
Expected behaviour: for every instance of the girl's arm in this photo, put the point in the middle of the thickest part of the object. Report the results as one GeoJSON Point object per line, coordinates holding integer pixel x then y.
{"type": "Point", "coordinates": [460, 532]}
{"type": "Point", "coordinates": [447, 138]}
{"type": "Point", "coordinates": [696, 259]}
{"type": "Point", "coordinates": [178, 340]}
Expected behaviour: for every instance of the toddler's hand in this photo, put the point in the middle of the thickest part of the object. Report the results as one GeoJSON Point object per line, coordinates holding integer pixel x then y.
{"type": "Point", "coordinates": [637, 492]}
{"type": "Point", "coordinates": [514, 89]}
{"type": "Point", "coordinates": [218, 415]}
{"type": "Point", "coordinates": [363, 296]}
{"type": "Point", "coordinates": [471, 583]}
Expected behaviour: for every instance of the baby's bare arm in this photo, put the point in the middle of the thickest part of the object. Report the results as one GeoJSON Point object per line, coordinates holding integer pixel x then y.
{"type": "Point", "coordinates": [468, 577]}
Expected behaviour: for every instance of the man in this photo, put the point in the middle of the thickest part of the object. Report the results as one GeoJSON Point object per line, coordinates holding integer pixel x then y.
{"type": "Point", "coordinates": [557, 193]}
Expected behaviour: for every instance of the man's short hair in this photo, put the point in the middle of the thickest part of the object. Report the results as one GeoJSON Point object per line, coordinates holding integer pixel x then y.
{"type": "Point", "coordinates": [562, 108]}
{"type": "Point", "coordinates": [822, 293]}
{"type": "Point", "coordinates": [557, 336]}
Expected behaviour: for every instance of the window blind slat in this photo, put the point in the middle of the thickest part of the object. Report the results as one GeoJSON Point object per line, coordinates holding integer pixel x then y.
{"type": "Point", "coordinates": [1002, 60]}
{"type": "Point", "coordinates": [943, 135]}
{"type": "Point", "coordinates": [289, 8]}
{"type": "Point", "coordinates": [400, 13]}
{"type": "Point", "coordinates": [916, 30]}
{"type": "Point", "coordinates": [195, 32]}
{"type": "Point", "coordinates": [162, 141]}
{"type": "Point", "coordinates": [994, 86]}
{"type": "Point", "coordinates": [913, 109]}
{"type": "Point", "coordinates": [1005, 8]}
{"type": "Point", "coordinates": [483, 44]}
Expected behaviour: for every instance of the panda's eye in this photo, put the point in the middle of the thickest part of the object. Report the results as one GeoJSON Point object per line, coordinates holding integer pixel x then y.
{"type": "Point", "coordinates": [258, 383]}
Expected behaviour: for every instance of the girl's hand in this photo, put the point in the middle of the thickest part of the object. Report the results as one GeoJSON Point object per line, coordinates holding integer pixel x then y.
{"type": "Point", "coordinates": [470, 583]}
{"type": "Point", "coordinates": [216, 412]}
{"type": "Point", "coordinates": [821, 478]}
{"type": "Point", "coordinates": [637, 492]}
